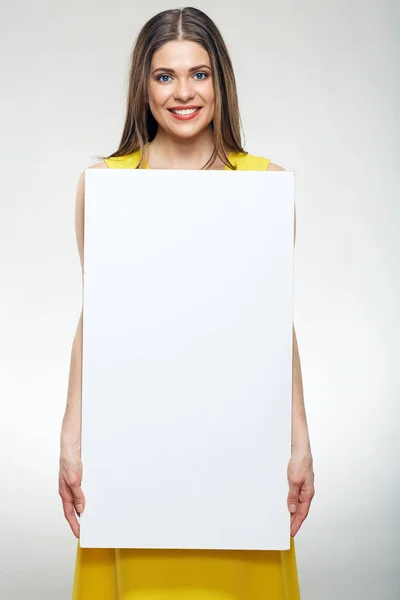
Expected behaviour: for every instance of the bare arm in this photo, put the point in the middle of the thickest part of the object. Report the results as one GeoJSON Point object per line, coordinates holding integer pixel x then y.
{"type": "Point", "coordinates": [70, 474]}
{"type": "Point", "coordinates": [71, 426]}
{"type": "Point", "coordinates": [300, 467]}
{"type": "Point", "coordinates": [300, 437]}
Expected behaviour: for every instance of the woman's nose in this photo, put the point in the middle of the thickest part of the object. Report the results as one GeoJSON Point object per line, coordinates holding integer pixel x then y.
{"type": "Point", "coordinates": [183, 90]}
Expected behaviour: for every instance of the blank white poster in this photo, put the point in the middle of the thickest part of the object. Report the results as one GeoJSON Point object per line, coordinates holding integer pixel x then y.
{"type": "Point", "coordinates": [187, 359]}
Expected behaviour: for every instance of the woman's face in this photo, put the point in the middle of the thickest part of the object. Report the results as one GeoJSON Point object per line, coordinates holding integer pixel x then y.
{"type": "Point", "coordinates": [180, 77]}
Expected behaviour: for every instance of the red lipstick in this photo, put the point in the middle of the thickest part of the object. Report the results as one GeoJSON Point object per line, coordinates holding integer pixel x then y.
{"type": "Point", "coordinates": [185, 117]}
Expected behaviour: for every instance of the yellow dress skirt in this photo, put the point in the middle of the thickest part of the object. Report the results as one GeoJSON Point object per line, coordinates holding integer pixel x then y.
{"type": "Point", "coordinates": [132, 574]}
{"type": "Point", "coordinates": [150, 574]}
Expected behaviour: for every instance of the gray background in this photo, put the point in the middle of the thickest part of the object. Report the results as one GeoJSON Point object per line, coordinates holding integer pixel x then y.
{"type": "Point", "coordinates": [319, 94]}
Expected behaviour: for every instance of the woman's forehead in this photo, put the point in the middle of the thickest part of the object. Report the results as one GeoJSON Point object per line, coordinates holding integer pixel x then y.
{"type": "Point", "coordinates": [180, 54]}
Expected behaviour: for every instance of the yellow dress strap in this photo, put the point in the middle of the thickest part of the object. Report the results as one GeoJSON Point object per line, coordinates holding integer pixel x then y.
{"type": "Point", "coordinates": [128, 161]}
{"type": "Point", "coordinates": [250, 162]}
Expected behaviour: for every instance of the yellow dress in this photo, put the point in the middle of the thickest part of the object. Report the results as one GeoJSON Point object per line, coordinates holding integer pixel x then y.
{"type": "Point", "coordinates": [159, 574]}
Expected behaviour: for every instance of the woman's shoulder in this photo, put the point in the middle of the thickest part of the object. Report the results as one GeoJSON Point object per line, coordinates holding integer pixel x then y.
{"type": "Point", "coordinates": [274, 167]}
{"type": "Point", "coordinates": [99, 165]}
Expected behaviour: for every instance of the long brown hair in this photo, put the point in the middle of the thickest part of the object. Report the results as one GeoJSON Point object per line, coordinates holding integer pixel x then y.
{"type": "Point", "coordinates": [181, 24]}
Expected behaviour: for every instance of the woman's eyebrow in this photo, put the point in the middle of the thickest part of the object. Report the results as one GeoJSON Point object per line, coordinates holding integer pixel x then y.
{"type": "Point", "coordinates": [167, 70]}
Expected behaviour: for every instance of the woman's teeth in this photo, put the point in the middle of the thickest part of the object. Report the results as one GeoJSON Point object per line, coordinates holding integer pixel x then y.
{"type": "Point", "coordinates": [187, 111]}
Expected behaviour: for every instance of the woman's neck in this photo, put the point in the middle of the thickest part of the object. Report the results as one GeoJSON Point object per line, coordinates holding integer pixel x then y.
{"type": "Point", "coordinates": [165, 152]}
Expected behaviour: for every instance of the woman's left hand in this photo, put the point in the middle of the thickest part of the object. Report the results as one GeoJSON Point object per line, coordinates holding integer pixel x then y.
{"type": "Point", "coordinates": [301, 487]}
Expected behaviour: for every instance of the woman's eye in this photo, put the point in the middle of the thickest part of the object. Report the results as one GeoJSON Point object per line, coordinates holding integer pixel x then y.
{"type": "Point", "coordinates": [161, 77]}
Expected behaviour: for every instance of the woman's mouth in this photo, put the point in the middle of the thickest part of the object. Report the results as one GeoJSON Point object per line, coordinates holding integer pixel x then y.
{"type": "Point", "coordinates": [186, 114]}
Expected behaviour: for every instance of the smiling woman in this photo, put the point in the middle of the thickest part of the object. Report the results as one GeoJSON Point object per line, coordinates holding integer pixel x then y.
{"type": "Point", "coordinates": [182, 113]}
{"type": "Point", "coordinates": [182, 109]}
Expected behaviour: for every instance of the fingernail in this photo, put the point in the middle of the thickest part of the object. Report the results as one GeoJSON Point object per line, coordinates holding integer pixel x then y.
{"type": "Point", "coordinates": [292, 507]}
{"type": "Point", "coordinates": [79, 508]}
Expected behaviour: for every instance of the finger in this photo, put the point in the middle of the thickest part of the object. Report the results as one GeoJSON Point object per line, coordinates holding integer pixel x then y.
{"type": "Point", "coordinates": [293, 496]}
{"type": "Point", "coordinates": [71, 517]}
{"type": "Point", "coordinates": [69, 513]}
{"type": "Point", "coordinates": [299, 516]}
{"type": "Point", "coordinates": [79, 498]}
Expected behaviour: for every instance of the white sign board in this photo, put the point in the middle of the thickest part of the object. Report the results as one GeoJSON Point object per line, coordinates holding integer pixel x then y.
{"type": "Point", "coordinates": [187, 359]}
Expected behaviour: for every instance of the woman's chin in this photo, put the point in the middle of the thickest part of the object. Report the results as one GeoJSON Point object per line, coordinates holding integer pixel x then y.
{"type": "Point", "coordinates": [185, 133]}
{"type": "Point", "coordinates": [187, 130]}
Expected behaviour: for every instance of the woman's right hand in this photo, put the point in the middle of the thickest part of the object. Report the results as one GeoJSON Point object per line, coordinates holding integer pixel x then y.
{"type": "Point", "coordinates": [69, 487]}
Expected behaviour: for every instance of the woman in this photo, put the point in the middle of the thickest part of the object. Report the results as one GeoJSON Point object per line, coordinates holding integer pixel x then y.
{"type": "Point", "coordinates": [182, 113]}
